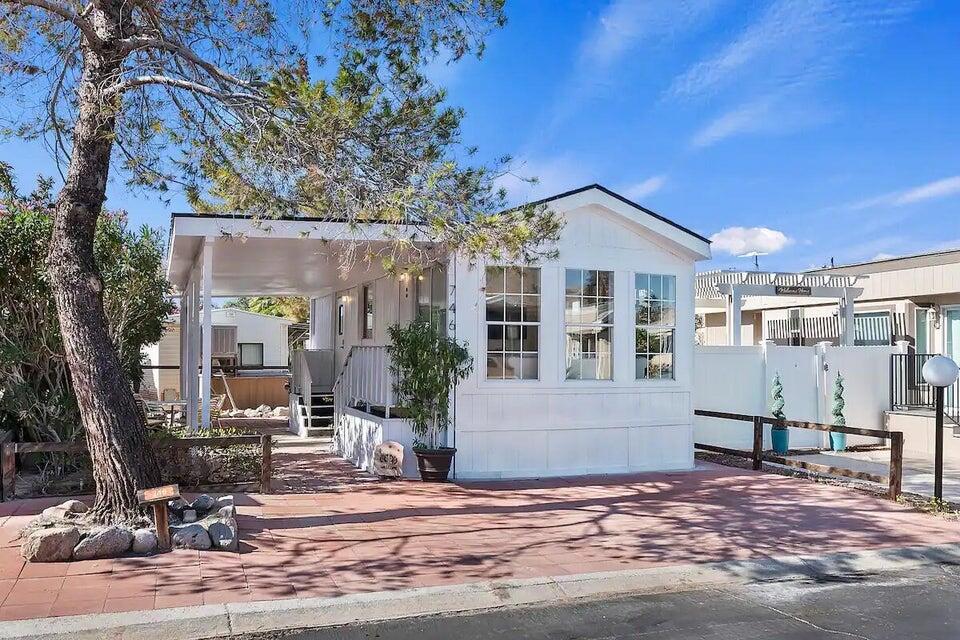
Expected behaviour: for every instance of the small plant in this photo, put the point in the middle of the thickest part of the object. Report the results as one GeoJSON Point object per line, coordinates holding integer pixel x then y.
{"type": "Point", "coordinates": [838, 441]}
{"type": "Point", "coordinates": [776, 395]}
{"type": "Point", "coordinates": [426, 365]}
{"type": "Point", "coordinates": [779, 434]}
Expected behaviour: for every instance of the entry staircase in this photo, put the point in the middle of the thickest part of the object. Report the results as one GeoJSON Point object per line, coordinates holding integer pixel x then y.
{"type": "Point", "coordinates": [311, 393]}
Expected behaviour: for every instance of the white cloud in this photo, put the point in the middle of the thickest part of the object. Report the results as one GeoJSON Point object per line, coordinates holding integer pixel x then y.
{"type": "Point", "coordinates": [792, 42]}
{"type": "Point", "coordinates": [934, 190]}
{"type": "Point", "coordinates": [645, 188]}
{"type": "Point", "coordinates": [739, 241]}
{"type": "Point", "coordinates": [766, 115]}
{"type": "Point", "coordinates": [625, 24]}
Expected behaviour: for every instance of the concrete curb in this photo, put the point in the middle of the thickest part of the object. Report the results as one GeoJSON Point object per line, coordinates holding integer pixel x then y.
{"type": "Point", "coordinates": [218, 621]}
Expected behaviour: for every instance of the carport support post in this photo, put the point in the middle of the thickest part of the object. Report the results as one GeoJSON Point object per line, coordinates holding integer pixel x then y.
{"type": "Point", "coordinates": [734, 313]}
{"type": "Point", "coordinates": [848, 336]}
{"type": "Point", "coordinates": [757, 443]}
{"type": "Point", "coordinates": [206, 358]}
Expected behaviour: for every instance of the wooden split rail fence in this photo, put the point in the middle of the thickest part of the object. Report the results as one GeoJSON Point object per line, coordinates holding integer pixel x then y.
{"type": "Point", "coordinates": [9, 451]}
{"type": "Point", "coordinates": [894, 479]}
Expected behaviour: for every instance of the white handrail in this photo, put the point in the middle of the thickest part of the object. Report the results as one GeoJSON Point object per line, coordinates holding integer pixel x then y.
{"type": "Point", "coordinates": [364, 381]}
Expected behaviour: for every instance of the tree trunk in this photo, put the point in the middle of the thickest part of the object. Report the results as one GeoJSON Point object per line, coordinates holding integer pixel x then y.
{"type": "Point", "coordinates": [123, 461]}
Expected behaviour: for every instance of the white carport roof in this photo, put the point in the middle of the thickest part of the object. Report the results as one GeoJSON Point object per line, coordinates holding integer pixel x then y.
{"type": "Point", "coordinates": [282, 256]}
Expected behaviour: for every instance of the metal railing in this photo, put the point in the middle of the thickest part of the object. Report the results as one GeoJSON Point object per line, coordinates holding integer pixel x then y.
{"type": "Point", "coordinates": [365, 382]}
{"type": "Point", "coordinates": [909, 391]}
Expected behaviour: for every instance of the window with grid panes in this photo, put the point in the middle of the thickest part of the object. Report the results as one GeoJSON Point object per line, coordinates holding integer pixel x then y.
{"type": "Point", "coordinates": [656, 313]}
{"type": "Point", "coordinates": [588, 314]}
{"type": "Point", "coordinates": [513, 323]}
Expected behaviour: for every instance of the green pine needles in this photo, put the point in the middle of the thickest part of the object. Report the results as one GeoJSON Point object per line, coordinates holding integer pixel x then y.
{"type": "Point", "coordinates": [776, 395]}
{"type": "Point", "coordinates": [838, 403]}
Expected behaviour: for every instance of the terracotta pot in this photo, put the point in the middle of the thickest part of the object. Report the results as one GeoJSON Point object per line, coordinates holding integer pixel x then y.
{"type": "Point", "coordinates": [434, 464]}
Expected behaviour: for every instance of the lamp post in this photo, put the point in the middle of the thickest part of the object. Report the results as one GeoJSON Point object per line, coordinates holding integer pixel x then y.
{"type": "Point", "coordinates": [939, 372]}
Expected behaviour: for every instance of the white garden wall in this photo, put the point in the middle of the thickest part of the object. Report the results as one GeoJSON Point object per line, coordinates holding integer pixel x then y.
{"type": "Point", "coordinates": [739, 379]}
{"type": "Point", "coordinates": [359, 433]}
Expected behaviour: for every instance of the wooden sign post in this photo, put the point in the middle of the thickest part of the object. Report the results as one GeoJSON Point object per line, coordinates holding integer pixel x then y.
{"type": "Point", "coordinates": [157, 498]}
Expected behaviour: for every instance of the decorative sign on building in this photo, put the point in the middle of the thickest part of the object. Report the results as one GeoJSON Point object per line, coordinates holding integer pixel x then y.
{"type": "Point", "coordinates": [792, 290]}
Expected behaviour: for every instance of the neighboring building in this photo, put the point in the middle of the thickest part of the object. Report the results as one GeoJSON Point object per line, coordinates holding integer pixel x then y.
{"type": "Point", "coordinates": [238, 337]}
{"type": "Point", "coordinates": [914, 298]}
{"type": "Point", "coordinates": [583, 364]}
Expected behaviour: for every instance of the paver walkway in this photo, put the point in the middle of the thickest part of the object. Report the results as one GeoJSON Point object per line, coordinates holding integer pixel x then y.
{"type": "Point", "coordinates": [392, 535]}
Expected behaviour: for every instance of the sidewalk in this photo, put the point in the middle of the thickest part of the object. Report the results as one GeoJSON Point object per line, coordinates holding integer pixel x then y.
{"type": "Point", "coordinates": [401, 535]}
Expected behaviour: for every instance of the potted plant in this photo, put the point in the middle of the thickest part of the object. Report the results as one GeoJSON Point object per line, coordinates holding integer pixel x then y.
{"type": "Point", "coordinates": [838, 441]}
{"type": "Point", "coordinates": [779, 434]}
{"type": "Point", "coordinates": [427, 365]}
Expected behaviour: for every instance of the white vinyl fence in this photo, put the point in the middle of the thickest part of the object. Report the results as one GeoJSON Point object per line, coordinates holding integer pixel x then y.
{"type": "Point", "coordinates": [738, 380]}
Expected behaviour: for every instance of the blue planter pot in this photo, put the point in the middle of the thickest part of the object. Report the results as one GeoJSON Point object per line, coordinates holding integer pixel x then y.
{"type": "Point", "coordinates": [838, 441]}
{"type": "Point", "coordinates": [781, 440]}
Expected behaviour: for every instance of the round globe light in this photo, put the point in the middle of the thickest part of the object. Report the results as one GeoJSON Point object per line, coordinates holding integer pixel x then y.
{"type": "Point", "coordinates": [940, 371]}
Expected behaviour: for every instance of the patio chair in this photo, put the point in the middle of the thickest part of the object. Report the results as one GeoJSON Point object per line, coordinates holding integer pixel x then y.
{"type": "Point", "coordinates": [151, 414]}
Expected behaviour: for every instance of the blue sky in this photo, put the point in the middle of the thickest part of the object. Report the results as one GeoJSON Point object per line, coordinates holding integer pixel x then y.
{"type": "Point", "coordinates": [806, 129]}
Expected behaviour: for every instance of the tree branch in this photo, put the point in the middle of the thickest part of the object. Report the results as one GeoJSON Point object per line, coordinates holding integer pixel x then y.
{"type": "Point", "coordinates": [64, 12]}
{"type": "Point", "coordinates": [179, 83]}
{"type": "Point", "coordinates": [144, 42]}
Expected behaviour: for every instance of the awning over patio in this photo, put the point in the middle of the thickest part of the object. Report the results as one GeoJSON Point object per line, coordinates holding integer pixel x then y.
{"type": "Point", "coordinates": [225, 255]}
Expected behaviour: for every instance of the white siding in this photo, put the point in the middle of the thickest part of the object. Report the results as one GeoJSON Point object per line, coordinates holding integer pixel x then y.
{"type": "Point", "coordinates": [552, 426]}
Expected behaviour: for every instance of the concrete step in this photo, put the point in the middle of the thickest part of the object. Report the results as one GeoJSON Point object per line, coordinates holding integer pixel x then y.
{"type": "Point", "coordinates": [319, 432]}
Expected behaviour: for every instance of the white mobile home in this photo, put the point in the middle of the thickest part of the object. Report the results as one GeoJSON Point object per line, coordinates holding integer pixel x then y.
{"type": "Point", "coordinates": [583, 364]}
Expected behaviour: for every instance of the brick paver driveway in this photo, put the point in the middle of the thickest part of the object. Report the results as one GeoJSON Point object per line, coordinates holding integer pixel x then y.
{"type": "Point", "coordinates": [375, 536]}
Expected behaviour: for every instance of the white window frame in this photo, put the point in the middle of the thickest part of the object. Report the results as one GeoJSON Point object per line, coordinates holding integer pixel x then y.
{"type": "Point", "coordinates": [672, 327]}
{"type": "Point", "coordinates": [485, 324]}
{"type": "Point", "coordinates": [610, 324]}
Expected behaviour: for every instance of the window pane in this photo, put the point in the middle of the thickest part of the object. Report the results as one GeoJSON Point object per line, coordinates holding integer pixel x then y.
{"type": "Point", "coordinates": [605, 283]}
{"type": "Point", "coordinates": [643, 312]}
{"type": "Point", "coordinates": [642, 341]}
{"type": "Point", "coordinates": [511, 366]}
{"type": "Point", "coordinates": [251, 354]}
{"type": "Point", "coordinates": [495, 308]}
{"type": "Point", "coordinates": [513, 309]}
{"type": "Point", "coordinates": [531, 308]}
{"type": "Point", "coordinates": [573, 351]}
{"type": "Point", "coordinates": [589, 283]}
{"type": "Point", "coordinates": [438, 286]}
{"type": "Point", "coordinates": [668, 313]}
{"type": "Point", "coordinates": [643, 362]}
{"type": "Point", "coordinates": [530, 367]}
{"type": "Point", "coordinates": [530, 338]}
{"type": "Point", "coordinates": [531, 280]}
{"type": "Point", "coordinates": [656, 286]}
{"type": "Point", "coordinates": [642, 283]}
{"type": "Point", "coordinates": [513, 276]}
{"type": "Point", "coordinates": [661, 365]}
{"type": "Point", "coordinates": [573, 313]}
{"type": "Point", "coordinates": [655, 310]}
{"type": "Point", "coordinates": [494, 366]}
{"type": "Point", "coordinates": [511, 337]}
{"type": "Point", "coordinates": [574, 282]}
{"type": "Point", "coordinates": [494, 279]}
{"type": "Point", "coordinates": [669, 288]}
{"type": "Point", "coordinates": [494, 337]}
{"type": "Point", "coordinates": [605, 310]}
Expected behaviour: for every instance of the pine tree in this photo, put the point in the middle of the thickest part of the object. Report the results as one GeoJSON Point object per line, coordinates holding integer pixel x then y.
{"type": "Point", "coordinates": [776, 406]}
{"type": "Point", "coordinates": [838, 403]}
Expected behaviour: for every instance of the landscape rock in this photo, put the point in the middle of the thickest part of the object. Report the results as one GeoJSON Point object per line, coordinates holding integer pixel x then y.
{"type": "Point", "coordinates": [68, 509]}
{"type": "Point", "coordinates": [50, 545]}
{"type": "Point", "coordinates": [251, 413]}
{"type": "Point", "coordinates": [144, 541]}
{"type": "Point", "coordinates": [225, 501]}
{"type": "Point", "coordinates": [103, 542]}
{"type": "Point", "coordinates": [203, 503]}
{"type": "Point", "coordinates": [223, 534]}
{"type": "Point", "coordinates": [189, 515]}
{"type": "Point", "coordinates": [281, 412]}
{"type": "Point", "coordinates": [190, 536]}
{"type": "Point", "coordinates": [177, 506]}
{"type": "Point", "coordinates": [264, 409]}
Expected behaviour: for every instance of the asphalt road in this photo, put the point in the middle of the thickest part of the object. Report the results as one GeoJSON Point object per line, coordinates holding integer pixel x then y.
{"type": "Point", "coordinates": [920, 605]}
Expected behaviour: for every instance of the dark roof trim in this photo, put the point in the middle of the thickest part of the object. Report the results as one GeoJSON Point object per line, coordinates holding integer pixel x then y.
{"type": "Point", "coordinates": [625, 201]}
{"type": "Point", "coordinates": [573, 192]}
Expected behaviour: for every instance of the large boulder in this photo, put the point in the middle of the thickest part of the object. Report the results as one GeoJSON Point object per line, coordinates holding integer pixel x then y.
{"type": "Point", "coordinates": [144, 541]}
{"type": "Point", "coordinates": [203, 504]}
{"type": "Point", "coordinates": [54, 544]}
{"type": "Point", "coordinates": [223, 534]}
{"type": "Point", "coordinates": [68, 509]}
{"type": "Point", "coordinates": [103, 542]}
{"type": "Point", "coordinates": [190, 536]}
{"type": "Point", "coordinates": [264, 410]}
{"type": "Point", "coordinates": [281, 412]}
